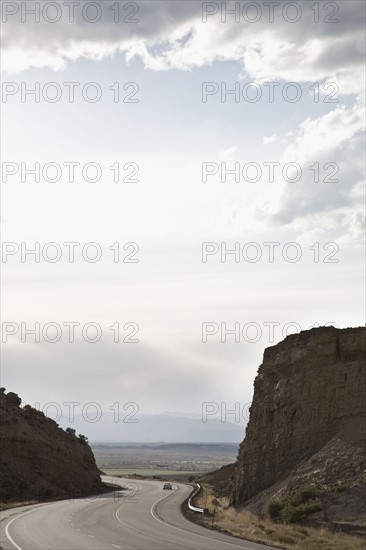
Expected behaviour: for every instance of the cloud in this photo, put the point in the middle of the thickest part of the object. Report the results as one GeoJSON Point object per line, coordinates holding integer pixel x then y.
{"type": "Point", "coordinates": [171, 296]}
{"type": "Point", "coordinates": [228, 154]}
{"type": "Point", "coordinates": [172, 35]}
{"type": "Point", "coordinates": [327, 201]}
{"type": "Point", "coordinates": [270, 139]}
{"type": "Point", "coordinates": [329, 196]}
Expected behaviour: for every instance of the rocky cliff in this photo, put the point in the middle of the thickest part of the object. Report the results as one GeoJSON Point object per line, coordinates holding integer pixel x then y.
{"type": "Point", "coordinates": [39, 460]}
{"type": "Point", "coordinates": [307, 424]}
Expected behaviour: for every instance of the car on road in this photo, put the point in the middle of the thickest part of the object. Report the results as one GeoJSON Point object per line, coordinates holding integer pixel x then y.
{"type": "Point", "coordinates": [168, 486]}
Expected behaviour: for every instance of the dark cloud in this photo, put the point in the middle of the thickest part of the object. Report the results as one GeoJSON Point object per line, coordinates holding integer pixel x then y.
{"type": "Point", "coordinates": [164, 24]}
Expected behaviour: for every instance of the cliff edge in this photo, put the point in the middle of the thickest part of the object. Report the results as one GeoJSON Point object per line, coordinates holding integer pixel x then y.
{"type": "Point", "coordinates": [307, 427]}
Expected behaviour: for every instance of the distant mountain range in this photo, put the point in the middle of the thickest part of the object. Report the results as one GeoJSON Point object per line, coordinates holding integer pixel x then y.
{"type": "Point", "coordinates": [155, 428]}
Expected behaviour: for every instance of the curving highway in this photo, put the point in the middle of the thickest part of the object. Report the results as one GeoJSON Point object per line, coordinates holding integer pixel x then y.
{"type": "Point", "coordinates": [142, 518]}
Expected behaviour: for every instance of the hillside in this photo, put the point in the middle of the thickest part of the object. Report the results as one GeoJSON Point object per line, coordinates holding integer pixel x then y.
{"type": "Point", "coordinates": [38, 459]}
{"type": "Point", "coordinates": [305, 440]}
{"type": "Point", "coordinates": [303, 458]}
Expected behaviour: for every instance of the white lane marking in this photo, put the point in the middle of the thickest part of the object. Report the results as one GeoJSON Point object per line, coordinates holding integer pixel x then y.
{"type": "Point", "coordinates": [41, 505]}
{"type": "Point", "coordinates": [191, 532]}
{"type": "Point", "coordinates": [116, 546]}
{"type": "Point", "coordinates": [115, 515]}
{"type": "Point", "coordinates": [10, 538]}
{"type": "Point", "coordinates": [37, 507]}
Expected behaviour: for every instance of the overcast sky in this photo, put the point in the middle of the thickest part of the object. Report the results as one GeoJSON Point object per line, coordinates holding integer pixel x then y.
{"type": "Point", "coordinates": [174, 135]}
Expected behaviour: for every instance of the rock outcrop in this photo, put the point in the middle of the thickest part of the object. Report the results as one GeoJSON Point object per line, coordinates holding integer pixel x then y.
{"type": "Point", "coordinates": [39, 460]}
{"type": "Point", "coordinates": [307, 423]}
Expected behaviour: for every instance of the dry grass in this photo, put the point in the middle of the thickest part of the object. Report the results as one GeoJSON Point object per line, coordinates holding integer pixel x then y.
{"type": "Point", "coordinates": [245, 525]}
{"type": "Point", "coordinates": [7, 505]}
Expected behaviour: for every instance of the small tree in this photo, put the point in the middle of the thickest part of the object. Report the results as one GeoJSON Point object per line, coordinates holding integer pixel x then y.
{"type": "Point", "coordinates": [13, 398]}
{"type": "Point", "coordinates": [83, 438]}
{"type": "Point", "coordinates": [71, 431]}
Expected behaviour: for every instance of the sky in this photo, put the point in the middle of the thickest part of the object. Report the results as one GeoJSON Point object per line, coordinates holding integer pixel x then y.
{"type": "Point", "coordinates": [208, 167]}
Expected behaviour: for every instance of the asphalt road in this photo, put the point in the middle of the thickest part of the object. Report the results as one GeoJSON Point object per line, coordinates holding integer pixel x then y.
{"type": "Point", "coordinates": [143, 518]}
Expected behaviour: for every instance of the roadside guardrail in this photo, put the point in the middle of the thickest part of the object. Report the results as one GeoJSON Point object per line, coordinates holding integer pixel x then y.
{"type": "Point", "coordinates": [194, 508]}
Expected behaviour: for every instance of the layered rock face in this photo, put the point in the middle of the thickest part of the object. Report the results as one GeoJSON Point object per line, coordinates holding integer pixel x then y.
{"type": "Point", "coordinates": [307, 419]}
{"type": "Point", "coordinates": [39, 460]}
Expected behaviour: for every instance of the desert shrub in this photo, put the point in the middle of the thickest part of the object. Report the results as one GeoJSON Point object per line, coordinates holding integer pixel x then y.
{"type": "Point", "coordinates": [304, 495]}
{"type": "Point", "coordinates": [274, 509]}
{"type": "Point", "coordinates": [13, 398]}
{"type": "Point", "coordinates": [296, 508]}
{"type": "Point", "coordinates": [294, 514]}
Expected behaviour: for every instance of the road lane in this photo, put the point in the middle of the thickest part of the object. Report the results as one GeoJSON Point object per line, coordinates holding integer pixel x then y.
{"type": "Point", "coordinates": [142, 518]}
